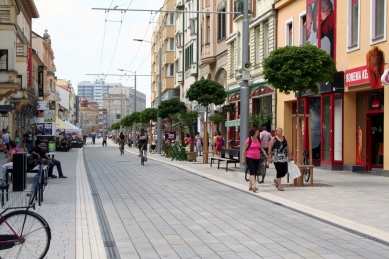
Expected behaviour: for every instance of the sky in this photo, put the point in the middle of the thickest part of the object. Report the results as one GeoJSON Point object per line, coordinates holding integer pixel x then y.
{"type": "Point", "coordinates": [87, 41]}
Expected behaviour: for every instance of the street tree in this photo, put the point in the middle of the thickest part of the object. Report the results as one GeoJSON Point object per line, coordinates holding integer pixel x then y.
{"type": "Point", "coordinates": [217, 119]}
{"type": "Point", "coordinates": [187, 118]}
{"type": "Point", "coordinates": [115, 126]}
{"type": "Point", "coordinates": [298, 68]}
{"type": "Point", "coordinates": [129, 120]}
{"type": "Point", "coordinates": [170, 106]}
{"type": "Point", "coordinates": [205, 92]}
{"type": "Point", "coordinates": [149, 114]}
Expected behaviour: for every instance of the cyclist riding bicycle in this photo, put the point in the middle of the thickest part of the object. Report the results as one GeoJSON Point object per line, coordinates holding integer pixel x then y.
{"type": "Point", "coordinates": [105, 140]}
{"type": "Point", "coordinates": [143, 139]}
{"type": "Point", "coordinates": [122, 139]}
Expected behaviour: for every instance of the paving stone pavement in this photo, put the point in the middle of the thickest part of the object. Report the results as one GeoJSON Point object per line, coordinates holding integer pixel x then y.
{"type": "Point", "coordinates": [188, 210]}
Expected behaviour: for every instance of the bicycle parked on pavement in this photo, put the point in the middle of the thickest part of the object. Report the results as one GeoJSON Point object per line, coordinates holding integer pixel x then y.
{"type": "Point", "coordinates": [261, 173]}
{"type": "Point", "coordinates": [153, 149]}
{"type": "Point", "coordinates": [23, 233]}
{"type": "Point", "coordinates": [306, 161]}
{"type": "Point", "coordinates": [39, 181]}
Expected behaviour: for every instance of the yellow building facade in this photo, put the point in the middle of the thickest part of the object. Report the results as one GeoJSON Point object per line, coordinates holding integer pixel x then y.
{"type": "Point", "coordinates": [351, 124]}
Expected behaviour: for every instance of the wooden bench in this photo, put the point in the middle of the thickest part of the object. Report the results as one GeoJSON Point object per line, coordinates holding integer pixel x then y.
{"type": "Point", "coordinates": [232, 157]}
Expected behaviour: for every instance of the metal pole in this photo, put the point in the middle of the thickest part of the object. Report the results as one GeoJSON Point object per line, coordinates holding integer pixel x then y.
{"type": "Point", "coordinates": [244, 90]}
{"type": "Point", "coordinates": [134, 124]}
{"type": "Point", "coordinates": [159, 120]}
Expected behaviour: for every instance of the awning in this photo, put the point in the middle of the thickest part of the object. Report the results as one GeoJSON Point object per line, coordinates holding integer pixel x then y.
{"type": "Point", "coordinates": [232, 123]}
{"type": "Point", "coordinates": [60, 124]}
{"type": "Point", "coordinates": [237, 89]}
{"type": "Point", "coordinates": [74, 128]}
{"type": "Point", "coordinates": [176, 124]}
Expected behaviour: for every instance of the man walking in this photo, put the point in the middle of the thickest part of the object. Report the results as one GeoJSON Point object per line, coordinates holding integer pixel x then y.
{"type": "Point", "coordinates": [265, 138]}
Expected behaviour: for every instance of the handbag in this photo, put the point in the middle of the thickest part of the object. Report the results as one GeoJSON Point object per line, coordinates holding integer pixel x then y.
{"type": "Point", "coordinates": [294, 171]}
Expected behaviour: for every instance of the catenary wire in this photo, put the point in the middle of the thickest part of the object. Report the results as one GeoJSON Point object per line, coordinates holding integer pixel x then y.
{"type": "Point", "coordinates": [105, 26]}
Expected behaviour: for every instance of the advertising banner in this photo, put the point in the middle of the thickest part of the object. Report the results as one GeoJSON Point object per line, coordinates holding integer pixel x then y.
{"type": "Point", "coordinates": [40, 81]}
{"type": "Point", "coordinates": [45, 129]}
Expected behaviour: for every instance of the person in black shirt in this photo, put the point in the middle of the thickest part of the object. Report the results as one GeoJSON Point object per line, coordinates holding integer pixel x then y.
{"type": "Point", "coordinates": [143, 140]}
{"type": "Point", "coordinates": [39, 153]}
{"type": "Point", "coordinates": [29, 140]}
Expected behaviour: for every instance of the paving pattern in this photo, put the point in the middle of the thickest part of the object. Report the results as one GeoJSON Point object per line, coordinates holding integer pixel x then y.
{"type": "Point", "coordinates": [174, 209]}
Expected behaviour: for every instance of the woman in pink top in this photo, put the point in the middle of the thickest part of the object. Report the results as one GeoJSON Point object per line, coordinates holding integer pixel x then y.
{"type": "Point", "coordinates": [251, 155]}
{"type": "Point", "coordinates": [9, 162]}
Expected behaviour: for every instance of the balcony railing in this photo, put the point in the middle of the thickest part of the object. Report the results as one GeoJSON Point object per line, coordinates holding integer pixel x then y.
{"type": "Point", "coordinates": [238, 7]}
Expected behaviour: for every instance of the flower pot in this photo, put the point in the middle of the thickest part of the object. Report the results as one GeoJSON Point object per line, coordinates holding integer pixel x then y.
{"type": "Point", "coordinates": [192, 156]}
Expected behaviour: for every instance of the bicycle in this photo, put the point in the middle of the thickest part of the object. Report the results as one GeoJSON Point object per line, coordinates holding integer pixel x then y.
{"type": "Point", "coordinates": [261, 173]}
{"type": "Point", "coordinates": [23, 233]}
{"type": "Point", "coordinates": [142, 157]}
{"type": "Point", "coordinates": [39, 181]}
{"type": "Point", "coordinates": [306, 161]}
{"type": "Point", "coordinates": [121, 147]}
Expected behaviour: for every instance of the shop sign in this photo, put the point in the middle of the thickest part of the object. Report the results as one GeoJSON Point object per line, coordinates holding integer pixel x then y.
{"type": "Point", "coordinates": [29, 66]}
{"type": "Point", "coordinates": [40, 81]}
{"type": "Point", "coordinates": [385, 77]}
{"type": "Point", "coordinates": [227, 108]}
{"type": "Point", "coordinates": [375, 104]}
{"type": "Point", "coordinates": [356, 76]}
{"type": "Point", "coordinates": [375, 60]}
{"type": "Point", "coordinates": [170, 135]}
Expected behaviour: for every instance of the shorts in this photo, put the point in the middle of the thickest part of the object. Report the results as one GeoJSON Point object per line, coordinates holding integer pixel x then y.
{"type": "Point", "coordinates": [281, 168]}
{"type": "Point", "coordinates": [253, 165]}
{"type": "Point", "coordinates": [144, 147]}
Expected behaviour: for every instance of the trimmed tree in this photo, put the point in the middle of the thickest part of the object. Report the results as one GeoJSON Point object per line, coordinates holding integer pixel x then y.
{"type": "Point", "coordinates": [130, 119]}
{"type": "Point", "coordinates": [149, 114]}
{"type": "Point", "coordinates": [115, 126]}
{"type": "Point", "coordinates": [298, 69]}
{"type": "Point", "coordinates": [170, 106]}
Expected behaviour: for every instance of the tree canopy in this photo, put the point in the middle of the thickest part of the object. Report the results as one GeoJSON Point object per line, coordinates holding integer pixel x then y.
{"type": "Point", "coordinates": [170, 106]}
{"type": "Point", "coordinates": [293, 68]}
{"type": "Point", "coordinates": [130, 119]}
{"type": "Point", "coordinates": [149, 114]}
{"type": "Point", "coordinates": [217, 118]}
{"type": "Point", "coordinates": [206, 91]}
{"type": "Point", "coordinates": [115, 126]}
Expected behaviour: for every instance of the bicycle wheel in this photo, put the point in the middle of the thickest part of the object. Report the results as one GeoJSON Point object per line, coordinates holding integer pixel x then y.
{"type": "Point", "coordinates": [153, 150]}
{"type": "Point", "coordinates": [34, 231]}
{"type": "Point", "coordinates": [247, 174]}
{"type": "Point", "coordinates": [261, 172]}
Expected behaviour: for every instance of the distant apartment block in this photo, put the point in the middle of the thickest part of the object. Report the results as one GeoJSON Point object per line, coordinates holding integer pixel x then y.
{"type": "Point", "coordinates": [95, 90]}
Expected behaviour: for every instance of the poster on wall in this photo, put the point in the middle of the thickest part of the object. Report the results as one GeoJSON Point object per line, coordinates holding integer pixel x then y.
{"type": "Point", "coordinates": [320, 18]}
{"type": "Point", "coordinates": [45, 129]}
{"type": "Point", "coordinates": [40, 81]}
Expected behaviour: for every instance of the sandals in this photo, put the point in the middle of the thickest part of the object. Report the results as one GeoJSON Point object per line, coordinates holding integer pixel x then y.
{"type": "Point", "coordinates": [255, 189]}
{"type": "Point", "coordinates": [275, 182]}
{"type": "Point", "coordinates": [280, 189]}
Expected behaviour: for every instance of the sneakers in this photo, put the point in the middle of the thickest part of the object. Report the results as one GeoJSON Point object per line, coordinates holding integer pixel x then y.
{"type": "Point", "coordinates": [52, 176]}
{"type": "Point", "coordinates": [62, 176]}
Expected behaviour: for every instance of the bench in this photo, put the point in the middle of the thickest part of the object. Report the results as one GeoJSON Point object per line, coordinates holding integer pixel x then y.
{"type": "Point", "coordinates": [232, 157]}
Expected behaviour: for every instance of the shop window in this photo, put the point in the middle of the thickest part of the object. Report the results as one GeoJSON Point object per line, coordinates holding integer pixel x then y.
{"type": "Point", "coordinates": [338, 127]}
{"type": "Point", "coordinates": [326, 128]}
{"type": "Point", "coordinates": [289, 32]}
{"type": "Point", "coordinates": [360, 130]}
{"type": "Point", "coordinates": [314, 111]}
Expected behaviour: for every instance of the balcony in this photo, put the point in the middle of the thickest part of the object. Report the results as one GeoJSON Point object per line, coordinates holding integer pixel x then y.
{"type": "Point", "coordinates": [167, 83]}
{"type": "Point", "coordinates": [8, 14]}
{"type": "Point", "coordinates": [168, 57]}
{"type": "Point", "coordinates": [193, 27]}
{"type": "Point", "coordinates": [238, 7]}
{"type": "Point", "coordinates": [168, 32]}
{"type": "Point", "coordinates": [208, 56]}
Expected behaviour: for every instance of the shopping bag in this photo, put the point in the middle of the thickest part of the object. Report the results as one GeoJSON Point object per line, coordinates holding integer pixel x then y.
{"type": "Point", "coordinates": [294, 171]}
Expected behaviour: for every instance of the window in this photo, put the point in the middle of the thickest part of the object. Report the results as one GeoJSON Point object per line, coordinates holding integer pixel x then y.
{"type": "Point", "coordinates": [221, 24]}
{"type": "Point", "coordinates": [171, 44]}
{"type": "Point", "coordinates": [232, 56]}
{"type": "Point", "coordinates": [303, 29]}
{"type": "Point", "coordinates": [208, 29]}
{"type": "Point", "coordinates": [170, 70]}
{"type": "Point", "coordinates": [289, 33]}
{"type": "Point", "coordinates": [378, 21]}
{"type": "Point", "coordinates": [188, 56]}
{"type": "Point", "coordinates": [5, 16]}
{"type": "Point", "coordinates": [266, 39]}
{"type": "Point", "coordinates": [257, 45]}
{"type": "Point", "coordinates": [19, 50]}
{"type": "Point", "coordinates": [353, 25]}
{"type": "Point", "coordinates": [3, 59]}
{"type": "Point", "coordinates": [171, 18]}
{"type": "Point", "coordinates": [19, 81]}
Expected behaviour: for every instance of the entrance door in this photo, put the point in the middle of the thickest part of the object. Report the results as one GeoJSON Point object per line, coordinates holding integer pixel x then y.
{"type": "Point", "coordinates": [375, 140]}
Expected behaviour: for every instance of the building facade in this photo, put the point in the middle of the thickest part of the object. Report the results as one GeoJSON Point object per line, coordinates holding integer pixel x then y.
{"type": "Point", "coordinates": [262, 40]}
{"type": "Point", "coordinates": [163, 38]}
{"type": "Point", "coordinates": [348, 115]}
{"type": "Point", "coordinates": [16, 64]}
{"type": "Point", "coordinates": [88, 115]}
{"type": "Point", "coordinates": [95, 90]}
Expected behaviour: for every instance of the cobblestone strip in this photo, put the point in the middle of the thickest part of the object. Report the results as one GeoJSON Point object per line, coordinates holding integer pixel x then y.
{"type": "Point", "coordinates": [89, 242]}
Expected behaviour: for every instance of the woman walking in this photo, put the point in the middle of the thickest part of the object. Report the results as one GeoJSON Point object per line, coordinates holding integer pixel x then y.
{"type": "Point", "coordinates": [199, 144]}
{"type": "Point", "coordinates": [219, 143]}
{"type": "Point", "coordinates": [278, 153]}
{"type": "Point", "coordinates": [251, 156]}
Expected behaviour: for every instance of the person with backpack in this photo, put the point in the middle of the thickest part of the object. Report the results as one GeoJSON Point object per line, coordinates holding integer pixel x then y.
{"type": "Point", "coordinates": [143, 140]}
{"type": "Point", "coordinates": [251, 156]}
{"type": "Point", "coordinates": [29, 140]}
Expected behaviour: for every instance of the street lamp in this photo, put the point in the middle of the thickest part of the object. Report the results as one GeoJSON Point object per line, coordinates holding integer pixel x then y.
{"type": "Point", "coordinates": [134, 124]}
{"type": "Point", "coordinates": [159, 121]}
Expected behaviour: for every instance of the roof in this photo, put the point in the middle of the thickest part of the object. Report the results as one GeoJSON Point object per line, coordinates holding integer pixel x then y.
{"type": "Point", "coordinates": [65, 87]}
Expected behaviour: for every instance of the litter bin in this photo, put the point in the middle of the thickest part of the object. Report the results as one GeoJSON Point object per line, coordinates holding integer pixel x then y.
{"type": "Point", "coordinates": [19, 172]}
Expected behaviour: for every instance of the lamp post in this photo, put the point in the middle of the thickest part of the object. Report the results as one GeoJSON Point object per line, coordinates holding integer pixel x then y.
{"type": "Point", "coordinates": [134, 124]}
{"type": "Point", "coordinates": [159, 120]}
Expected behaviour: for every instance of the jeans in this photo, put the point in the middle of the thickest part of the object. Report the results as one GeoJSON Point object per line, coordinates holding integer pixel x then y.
{"type": "Point", "coordinates": [5, 168]}
{"type": "Point", "coordinates": [29, 146]}
{"type": "Point", "coordinates": [53, 163]}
